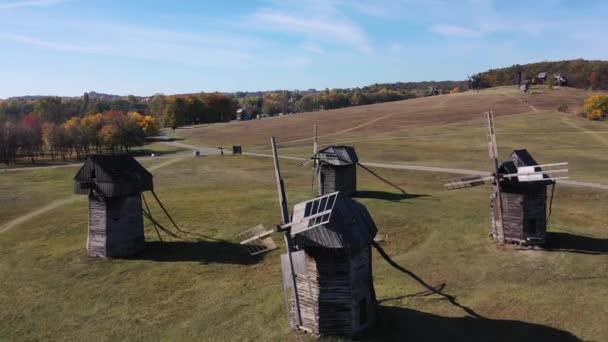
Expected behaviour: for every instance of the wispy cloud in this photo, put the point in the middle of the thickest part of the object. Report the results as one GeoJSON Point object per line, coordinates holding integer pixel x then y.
{"type": "Point", "coordinates": [29, 3]}
{"type": "Point", "coordinates": [455, 31]}
{"type": "Point", "coordinates": [337, 30]}
{"type": "Point", "coordinates": [313, 47]}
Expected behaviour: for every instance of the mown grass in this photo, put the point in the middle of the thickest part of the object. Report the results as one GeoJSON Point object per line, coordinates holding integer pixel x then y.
{"type": "Point", "coordinates": [549, 136]}
{"type": "Point", "coordinates": [207, 290]}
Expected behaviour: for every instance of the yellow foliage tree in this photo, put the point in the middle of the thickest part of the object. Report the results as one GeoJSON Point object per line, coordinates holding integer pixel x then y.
{"type": "Point", "coordinates": [146, 122]}
{"type": "Point", "coordinates": [456, 90]}
{"type": "Point", "coordinates": [596, 107]}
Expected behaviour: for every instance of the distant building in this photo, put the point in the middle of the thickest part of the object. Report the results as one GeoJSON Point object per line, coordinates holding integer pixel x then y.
{"type": "Point", "coordinates": [524, 85]}
{"type": "Point", "coordinates": [541, 78]}
{"type": "Point", "coordinates": [242, 114]}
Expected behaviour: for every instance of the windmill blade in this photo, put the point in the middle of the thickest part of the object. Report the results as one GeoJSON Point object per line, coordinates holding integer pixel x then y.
{"type": "Point", "coordinates": [493, 151]}
{"type": "Point", "coordinates": [285, 219]}
{"type": "Point", "coordinates": [317, 212]}
{"type": "Point", "coordinates": [257, 240]}
{"type": "Point", "coordinates": [467, 182]}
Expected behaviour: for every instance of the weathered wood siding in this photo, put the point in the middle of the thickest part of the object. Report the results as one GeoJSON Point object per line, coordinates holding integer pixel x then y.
{"type": "Point", "coordinates": [336, 292]}
{"type": "Point", "coordinates": [337, 178]}
{"type": "Point", "coordinates": [524, 214]}
{"type": "Point", "coordinates": [115, 226]}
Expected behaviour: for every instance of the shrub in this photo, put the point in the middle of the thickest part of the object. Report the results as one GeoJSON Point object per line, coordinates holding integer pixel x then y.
{"type": "Point", "coordinates": [456, 90]}
{"type": "Point", "coordinates": [596, 107]}
{"type": "Point", "coordinates": [563, 108]}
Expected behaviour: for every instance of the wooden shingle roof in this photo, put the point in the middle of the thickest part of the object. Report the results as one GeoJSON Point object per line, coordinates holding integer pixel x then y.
{"type": "Point", "coordinates": [112, 176]}
{"type": "Point", "coordinates": [349, 225]}
{"type": "Point", "coordinates": [338, 155]}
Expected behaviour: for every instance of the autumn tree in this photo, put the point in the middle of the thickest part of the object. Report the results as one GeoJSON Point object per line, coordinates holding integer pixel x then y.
{"type": "Point", "coordinates": [596, 107]}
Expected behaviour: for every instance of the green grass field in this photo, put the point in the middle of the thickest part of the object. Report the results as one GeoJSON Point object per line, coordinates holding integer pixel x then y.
{"type": "Point", "coordinates": [206, 289]}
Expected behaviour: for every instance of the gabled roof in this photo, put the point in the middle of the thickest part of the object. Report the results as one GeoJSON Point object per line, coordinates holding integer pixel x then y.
{"type": "Point", "coordinates": [338, 155]}
{"type": "Point", "coordinates": [348, 224]}
{"type": "Point", "coordinates": [522, 158]}
{"type": "Point", "coordinates": [112, 175]}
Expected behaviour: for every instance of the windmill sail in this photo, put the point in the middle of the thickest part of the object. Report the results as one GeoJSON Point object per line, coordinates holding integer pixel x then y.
{"type": "Point", "coordinates": [317, 212]}
{"type": "Point", "coordinates": [257, 240]}
{"type": "Point", "coordinates": [467, 182]}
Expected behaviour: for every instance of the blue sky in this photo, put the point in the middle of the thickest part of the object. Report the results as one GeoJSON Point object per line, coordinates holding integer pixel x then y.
{"type": "Point", "coordinates": [67, 47]}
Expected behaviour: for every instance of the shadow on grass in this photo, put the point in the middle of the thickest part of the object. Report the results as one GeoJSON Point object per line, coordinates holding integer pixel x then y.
{"type": "Point", "coordinates": [401, 324]}
{"type": "Point", "coordinates": [387, 196]}
{"type": "Point", "coordinates": [567, 242]}
{"type": "Point", "coordinates": [205, 252]}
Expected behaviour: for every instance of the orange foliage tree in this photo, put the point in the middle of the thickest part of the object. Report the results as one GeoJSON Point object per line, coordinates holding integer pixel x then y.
{"type": "Point", "coordinates": [596, 107]}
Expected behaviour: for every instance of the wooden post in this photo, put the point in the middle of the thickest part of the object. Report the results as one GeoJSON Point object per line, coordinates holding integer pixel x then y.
{"type": "Point", "coordinates": [315, 161]}
{"type": "Point", "coordinates": [286, 219]}
{"type": "Point", "coordinates": [493, 150]}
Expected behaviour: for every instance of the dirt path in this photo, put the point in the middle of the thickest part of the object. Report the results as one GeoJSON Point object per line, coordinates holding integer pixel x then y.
{"type": "Point", "coordinates": [522, 101]}
{"type": "Point", "coordinates": [596, 135]}
{"type": "Point", "coordinates": [51, 206]}
{"type": "Point", "coordinates": [68, 200]}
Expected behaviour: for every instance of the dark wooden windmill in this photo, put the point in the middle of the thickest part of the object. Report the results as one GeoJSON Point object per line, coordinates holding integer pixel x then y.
{"type": "Point", "coordinates": [518, 203]}
{"type": "Point", "coordinates": [115, 186]}
{"type": "Point", "coordinates": [335, 169]}
{"type": "Point", "coordinates": [560, 79]}
{"type": "Point", "coordinates": [432, 91]}
{"type": "Point", "coordinates": [327, 270]}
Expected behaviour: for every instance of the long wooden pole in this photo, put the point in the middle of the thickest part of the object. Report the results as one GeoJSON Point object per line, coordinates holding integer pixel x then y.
{"type": "Point", "coordinates": [493, 149]}
{"type": "Point", "coordinates": [286, 219]}
{"type": "Point", "coordinates": [315, 147]}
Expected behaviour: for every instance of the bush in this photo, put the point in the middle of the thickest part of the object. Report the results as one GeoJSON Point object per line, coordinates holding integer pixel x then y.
{"type": "Point", "coordinates": [563, 108]}
{"type": "Point", "coordinates": [456, 90]}
{"type": "Point", "coordinates": [596, 107]}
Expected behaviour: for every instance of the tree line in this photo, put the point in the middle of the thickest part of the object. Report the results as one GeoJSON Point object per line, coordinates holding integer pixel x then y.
{"type": "Point", "coordinates": [579, 73]}
{"type": "Point", "coordinates": [113, 131]}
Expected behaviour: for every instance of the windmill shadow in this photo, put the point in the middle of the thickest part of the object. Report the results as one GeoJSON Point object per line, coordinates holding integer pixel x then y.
{"type": "Point", "coordinates": [401, 324]}
{"type": "Point", "coordinates": [386, 196]}
{"type": "Point", "coordinates": [566, 242]}
{"type": "Point", "coordinates": [205, 252]}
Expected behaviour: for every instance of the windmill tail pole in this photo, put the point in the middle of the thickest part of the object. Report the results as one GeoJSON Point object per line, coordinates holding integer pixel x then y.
{"type": "Point", "coordinates": [170, 233]}
{"type": "Point", "coordinates": [382, 179]}
{"type": "Point", "coordinates": [149, 213]}
{"type": "Point", "coordinates": [421, 281]}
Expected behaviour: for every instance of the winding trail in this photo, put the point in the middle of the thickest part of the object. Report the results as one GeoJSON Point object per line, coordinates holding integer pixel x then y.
{"type": "Point", "coordinates": [71, 199]}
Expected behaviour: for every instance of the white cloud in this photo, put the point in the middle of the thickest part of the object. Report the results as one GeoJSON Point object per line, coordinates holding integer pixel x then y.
{"type": "Point", "coordinates": [322, 28]}
{"type": "Point", "coordinates": [456, 31]}
{"type": "Point", "coordinates": [29, 3]}
{"type": "Point", "coordinates": [313, 47]}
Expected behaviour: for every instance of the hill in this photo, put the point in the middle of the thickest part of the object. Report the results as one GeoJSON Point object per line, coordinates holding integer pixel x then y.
{"type": "Point", "coordinates": [579, 73]}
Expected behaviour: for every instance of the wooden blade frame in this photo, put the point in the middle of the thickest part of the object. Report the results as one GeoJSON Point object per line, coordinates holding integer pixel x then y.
{"type": "Point", "coordinates": [467, 182]}
{"type": "Point", "coordinates": [257, 240]}
{"type": "Point", "coordinates": [493, 151]}
{"type": "Point", "coordinates": [315, 147]}
{"type": "Point", "coordinates": [288, 241]}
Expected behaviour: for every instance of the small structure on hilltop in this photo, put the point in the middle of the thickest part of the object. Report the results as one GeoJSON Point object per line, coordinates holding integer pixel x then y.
{"type": "Point", "coordinates": [541, 77]}
{"type": "Point", "coordinates": [242, 115]}
{"type": "Point", "coordinates": [560, 79]}
{"type": "Point", "coordinates": [337, 169]}
{"type": "Point", "coordinates": [432, 91]}
{"type": "Point", "coordinates": [327, 270]}
{"type": "Point", "coordinates": [518, 203]}
{"type": "Point", "coordinates": [114, 185]}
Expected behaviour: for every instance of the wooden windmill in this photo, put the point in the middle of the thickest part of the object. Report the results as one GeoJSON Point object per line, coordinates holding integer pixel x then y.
{"type": "Point", "coordinates": [327, 273]}
{"type": "Point", "coordinates": [560, 79]}
{"type": "Point", "coordinates": [334, 168]}
{"type": "Point", "coordinates": [432, 91]}
{"type": "Point", "coordinates": [518, 201]}
{"type": "Point", "coordinates": [115, 186]}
